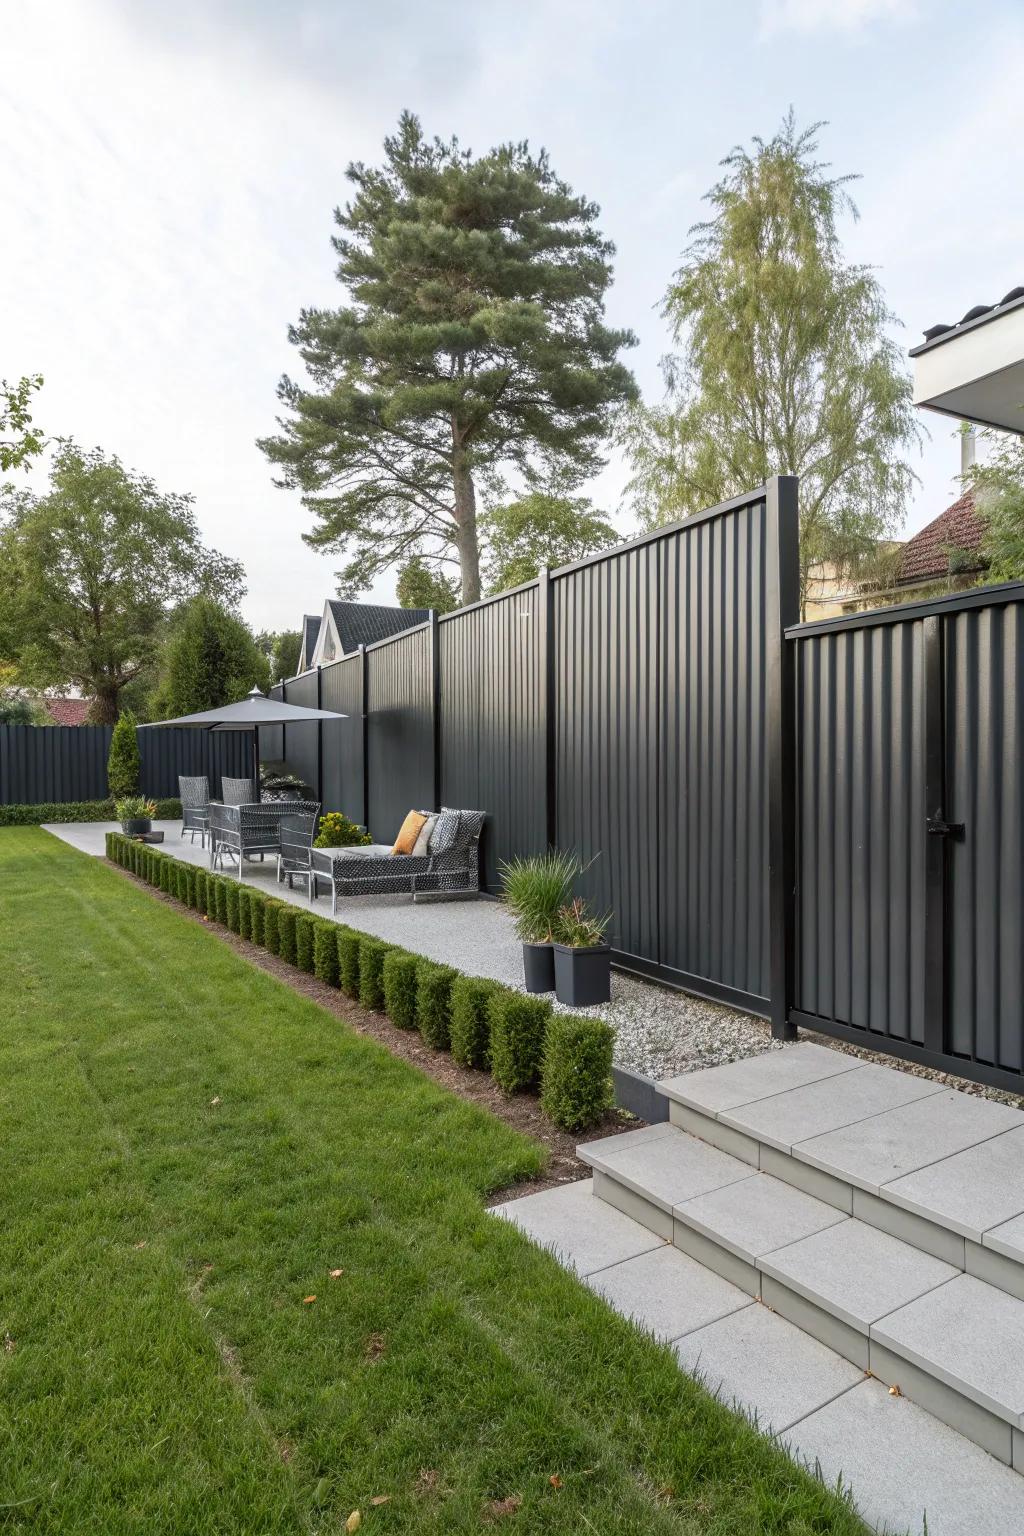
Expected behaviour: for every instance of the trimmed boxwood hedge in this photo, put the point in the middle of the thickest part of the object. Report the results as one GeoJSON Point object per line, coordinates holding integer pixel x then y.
{"type": "Point", "coordinates": [243, 913]}
{"type": "Point", "coordinates": [576, 1080]}
{"type": "Point", "coordinates": [231, 905]}
{"type": "Point", "coordinates": [304, 942]}
{"type": "Point", "coordinates": [469, 1012]}
{"type": "Point", "coordinates": [286, 933]}
{"type": "Point", "coordinates": [433, 1003]}
{"type": "Point", "coordinates": [371, 966]}
{"type": "Point", "coordinates": [398, 986]}
{"type": "Point", "coordinates": [76, 810]}
{"type": "Point", "coordinates": [348, 961]}
{"type": "Point", "coordinates": [257, 912]}
{"type": "Point", "coordinates": [518, 1027]}
{"type": "Point", "coordinates": [325, 951]}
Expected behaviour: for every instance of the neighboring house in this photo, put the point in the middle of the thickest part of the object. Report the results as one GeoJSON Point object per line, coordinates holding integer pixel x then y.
{"type": "Point", "coordinates": [346, 626]}
{"type": "Point", "coordinates": [67, 711]}
{"type": "Point", "coordinates": [310, 631]}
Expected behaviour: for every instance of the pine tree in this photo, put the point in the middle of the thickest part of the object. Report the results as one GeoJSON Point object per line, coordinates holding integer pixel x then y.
{"type": "Point", "coordinates": [211, 659]}
{"type": "Point", "coordinates": [473, 344]}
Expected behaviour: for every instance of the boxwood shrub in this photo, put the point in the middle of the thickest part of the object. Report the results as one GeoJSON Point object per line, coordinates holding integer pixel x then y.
{"type": "Point", "coordinates": [199, 890]}
{"type": "Point", "coordinates": [183, 883]}
{"type": "Point", "coordinates": [325, 951]}
{"type": "Point", "coordinates": [470, 1020]}
{"type": "Point", "coordinates": [271, 932]}
{"type": "Point", "coordinates": [223, 886]}
{"type": "Point", "coordinates": [167, 875]}
{"type": "Point", "coordinates": [76, 810]}
{"type": "Point", "coordinates": [257, 910]}
{"type": "Point", "coordinates": [371, 966]}
{"type": "Point", "coordinates": [518, 1027]}
{"type": "Point", "coordinates": [286, 933]}
{"type": "Point", "coordinates": [576, 1079]}
{"type": "Point", "coordinates": [433, 1003]}
{"type": "Point", "coordinates": [348, 961]}
{"type": "Point", "coordinates": [398, 985]}
{"type": "Point", "coordinates": [231, 905]}
{"type": "Point", "coordinates": [243, 912]}
{"type": "Point", "coordinates": [304, 941]}
{"type": "Point", "coordinates": [211, 896]}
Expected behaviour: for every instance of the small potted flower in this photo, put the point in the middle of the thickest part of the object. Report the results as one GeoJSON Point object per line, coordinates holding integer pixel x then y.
{"type": "Point", "coordinates": [336, 831]}
{"type": "Point", "coordinates": [135, 815]}
{"type": "Point", "coordinates": [534, 890]}
{"type": "Point", "coordinates": [582, 955]}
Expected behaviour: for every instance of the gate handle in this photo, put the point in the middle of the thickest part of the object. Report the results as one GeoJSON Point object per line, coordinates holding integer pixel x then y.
{"type": "Point", "coordinates": [938, 827]}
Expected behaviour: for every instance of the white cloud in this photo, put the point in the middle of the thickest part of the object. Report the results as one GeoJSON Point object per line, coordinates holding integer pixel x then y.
{"type": "Point", "coordinates": [831, 15]}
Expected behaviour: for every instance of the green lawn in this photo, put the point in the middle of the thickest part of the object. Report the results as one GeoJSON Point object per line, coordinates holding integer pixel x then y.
{"type": "Point", "coordinates": [187, 1149]}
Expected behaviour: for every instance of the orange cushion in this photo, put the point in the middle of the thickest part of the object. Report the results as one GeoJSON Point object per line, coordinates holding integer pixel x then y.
{"type": "Point", "coordinates": [405, 842]}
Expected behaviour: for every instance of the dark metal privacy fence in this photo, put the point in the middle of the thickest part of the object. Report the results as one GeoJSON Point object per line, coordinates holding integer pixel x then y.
{"type": "Point", "coordinates": [53, 763]}
{"type": "Point", "coordinates": [910, 831]}
{"type": "Point", "coordinates": [622, 707]}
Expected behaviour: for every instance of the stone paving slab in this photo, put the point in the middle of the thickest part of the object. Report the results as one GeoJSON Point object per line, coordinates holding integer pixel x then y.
{"type": "Point", "coordinates": [1007, 1239]}
{"type": "Point", "coordinates": [828, 1104]}
{"type": "Point", "coordinates": [875, 1152]}
{"type": "Point", "coordinates": [856, 1272]}
{"type": "Point", "coordinates": [667, 1169]}
{"type": "Point", "coordinates": [667, 1292]}
{"type": "Point", "coordinates": [908, 1472]}
{"type": "Point", "coordinates": [758, 1077]}
{"type": "Point", "coordinates": [583, 1232]}
{"type": "Point", "coordinates": [626, 1139]}
{"type": "Point", "coordinates": [970, 1191]}
{"type": "Point", "coordinates": [770, 1370]}
{"type": "Point", "coordinates": [968, 1335]}
{"type": "Point", "coordinates": [757, 1215]}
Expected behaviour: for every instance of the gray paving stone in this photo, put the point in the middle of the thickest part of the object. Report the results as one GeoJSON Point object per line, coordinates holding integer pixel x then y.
{"type": "Point", "coordinates": [905, 1467]}
{"type": "Point", "coordinates": [994, 1268]}
{"type": "Point", "coordinates": [626, 1139]}
{"type": "Point", "coordinates": [757, 1214]}
{"type": "Point", "coordinates": [756, 1077]}
{"type": "Point", "coordinates": [968, 1335]}
{"type": "Point", "coordinates": [856, 1272]}
{"type": "Point", "coordinates": [968, 1418]}
{"type": "Point", "coordinates": [1018, 1450]}
{"type": "Point", "coordinates": [583, 1232]}
{"type": "Point", "coordinates": [711, 1254]}
{"type": "Point", "coordinates": [812, 1181]}
{"type": "Point", "coordinates": [970, 1191]}
{"type": "Point", "coordinates": [668, 1169]}
{"type": "Point", "coordinates": [851, 1343]}
{"type": "Point", "coordinates": [771, 1371]}
{"type": "Point", "coordinates": [707, 1128]}
{"type": "Point", "coordinates": [649, 1215]}
{"type": "Point", "coordinates": [1008, 1239]}
{"type": "Point", "coordinates": [815, 1108]}
{"type": "Point", "coordinates": [667, 1292]}
{"type": "Point", "coordinates": [877, 1151]}
{"type": "Point", "coordinates": [906, 1225]}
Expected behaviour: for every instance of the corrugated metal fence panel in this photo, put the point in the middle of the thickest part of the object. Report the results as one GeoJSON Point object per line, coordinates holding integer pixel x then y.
{"type": "Point", "coordinates": [302, 742]}
{"type": "Point", "coordinates": [984, 704]}
{"type": "Point", "coordinates": [42, 764]}
{"type": "Point", "coordinates": [341, 688]}
{"type": "Point", "coordinates": [491, 723]}
{"type": "Point", "coordinates": [607, 713]}
{"type": "Point", "coordinates": [400, 706]}
{"type": "Point", "coordinates": [861, 828]}
{"type": "Point", "coordinates": [169, 753]}
{"type": "Point", "coordinates": [713, 821]}
{"type": "Point", "coordinates": [272, 749]}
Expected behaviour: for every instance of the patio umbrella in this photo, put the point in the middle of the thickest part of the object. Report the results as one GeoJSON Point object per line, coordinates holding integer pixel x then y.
{"type": "Point", "coordinates": [248, 715]}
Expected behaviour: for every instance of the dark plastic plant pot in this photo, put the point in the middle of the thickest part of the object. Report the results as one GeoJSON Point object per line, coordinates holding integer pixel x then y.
{"type": "Point", "coordinates": [137, 826]}
{"type": "Point", "coordinates": [539, 967]}
{"type": "Point", "coordinates": [583, 976]}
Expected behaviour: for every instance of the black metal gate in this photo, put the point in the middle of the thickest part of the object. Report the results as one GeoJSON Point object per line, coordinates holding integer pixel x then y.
{"type": "Point", "coordinates": [909, 890]}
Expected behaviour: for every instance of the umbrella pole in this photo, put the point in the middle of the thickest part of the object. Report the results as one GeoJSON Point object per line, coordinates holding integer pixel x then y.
{"type": "Point", "coordinates": [256, 759]}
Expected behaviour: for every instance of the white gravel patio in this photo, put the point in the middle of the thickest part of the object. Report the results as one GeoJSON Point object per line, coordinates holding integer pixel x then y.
{"type": "Point", "coordinates": [658, 1032]}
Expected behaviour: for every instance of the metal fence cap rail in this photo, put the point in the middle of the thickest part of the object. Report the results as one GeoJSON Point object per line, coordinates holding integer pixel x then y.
{"type": "Point", "coordinates": [403, 634]}
{"type": "Point", "coordinates": [922, 608]}
{"type": "Point", "coordinates": [494, 597]}
{"type": "Point", "coordinates": [665, 531]}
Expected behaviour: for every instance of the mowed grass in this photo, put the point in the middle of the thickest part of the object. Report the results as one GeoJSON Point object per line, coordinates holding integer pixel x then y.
{"type": "Point", "coordinates": [187, 1149]}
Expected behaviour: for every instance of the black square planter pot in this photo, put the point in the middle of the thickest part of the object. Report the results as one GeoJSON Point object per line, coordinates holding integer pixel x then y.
{"type": "Point", "coordinates": [583, 976]}
{"type": "Point", "coordinates": [539, 967]}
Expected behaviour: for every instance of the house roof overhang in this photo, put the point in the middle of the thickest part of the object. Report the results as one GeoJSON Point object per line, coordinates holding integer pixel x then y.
{"type": "Point", "coordinates": [975, 370]}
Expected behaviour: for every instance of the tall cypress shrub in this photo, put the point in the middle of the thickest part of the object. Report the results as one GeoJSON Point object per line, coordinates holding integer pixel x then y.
{"type": "Point", "coordinates": [124, 763]}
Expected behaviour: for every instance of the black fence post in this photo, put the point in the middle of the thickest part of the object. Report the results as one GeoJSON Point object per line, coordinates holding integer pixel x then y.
{"type": "Point", "coordinates": [319, 739]}
{"type": "Point", "coordinates": [936, 959]}
{"type": "Point", "coordinates": [364, 698]}
{"type": "Point", "coordinates": [435, 705]}
{"type": "Point", "coordinates": [546, 605]}
{"type": "Point", "coordinates": [782, 608]}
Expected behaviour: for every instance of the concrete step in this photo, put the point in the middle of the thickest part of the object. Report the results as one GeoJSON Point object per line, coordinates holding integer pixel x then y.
{"type": "Point", "coordinates": [934, 1166]}
{"type": "Point", "coordinates": [950, 1341]}
{"type": "Point", "coordinates": [907, 1470]}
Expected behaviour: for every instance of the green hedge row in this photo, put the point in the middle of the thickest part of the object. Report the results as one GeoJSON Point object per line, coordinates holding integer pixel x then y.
{"type": "Point", "coordinates": [518, 1039]}
{"type": "Point", "coordinates": [76, 810]}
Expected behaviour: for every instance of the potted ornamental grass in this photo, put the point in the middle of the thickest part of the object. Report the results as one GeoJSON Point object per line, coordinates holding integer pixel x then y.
{"type": "Point", "coordinates": [135, 815]}
{"type": "Point", "coordinates": [582, 956]}
{"type": "Point", "coordinates": [534, 890]}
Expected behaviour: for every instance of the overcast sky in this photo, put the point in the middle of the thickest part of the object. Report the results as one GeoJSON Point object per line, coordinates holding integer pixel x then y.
{"type": "Point", "coordinates": [169, 173]}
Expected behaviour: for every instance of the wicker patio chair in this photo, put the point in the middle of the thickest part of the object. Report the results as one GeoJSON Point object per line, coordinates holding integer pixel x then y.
{"type": "Point", "coordinates": [243, 832]}
{"type": "Point", "coordinates": [195, 806]}
{"type": "Point", "coordinates": [297, 829]}
{"type": "Point", "coordinates": [450, 868]}
{"type": "Point", "coordinates": [238, 791]}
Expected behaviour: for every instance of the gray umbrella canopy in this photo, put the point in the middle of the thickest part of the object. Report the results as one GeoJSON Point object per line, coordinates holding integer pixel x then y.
{"type": "Point", "coordinates": [247, 715]}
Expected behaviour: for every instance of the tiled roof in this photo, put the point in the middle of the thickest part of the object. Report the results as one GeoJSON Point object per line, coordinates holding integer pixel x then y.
{"type": "Point", "coordinates": [942, 332]}
{"type": "Point", "coordinates": [365, 623]}
{"type": "Point", "coordinates": [68, 711]}
{"type": "Point", "coordinates": [926, 555]}
{"type": "Point", "coordinates": [310, 631]}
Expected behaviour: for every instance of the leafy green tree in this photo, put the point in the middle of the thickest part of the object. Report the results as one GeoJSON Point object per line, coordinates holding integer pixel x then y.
{"type": "Point", "coordinates": [90, 571]}
{"type": "Point", "coordinates": [124, 761]}
{"type": "Point", "coordinates": [281, 648]}
{"type": "Point", "coordinates": [19, 439]}
{"type": "Point", "coordinates": [420, 587]}
{"type": "Point", "coordinates": [541, 529]}
{"type": "Point", "coordinates": [473, 343]}
{"type": "Point", "coordinates": [211, 659]}
{"type": "Point", "coordinates": [786, 366]}
{"type": "Point", "coordinates": [998, 486]}
{"type": "Point", "coordinates": [17, 706]}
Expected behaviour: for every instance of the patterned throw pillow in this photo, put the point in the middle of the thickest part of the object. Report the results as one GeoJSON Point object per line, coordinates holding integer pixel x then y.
{"type": "Point", "coordinates": [422, 846]}
{"type": "Point", "coordinates": [446, 830]}
{"type": "Point", "coordinates": [410, 830]}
